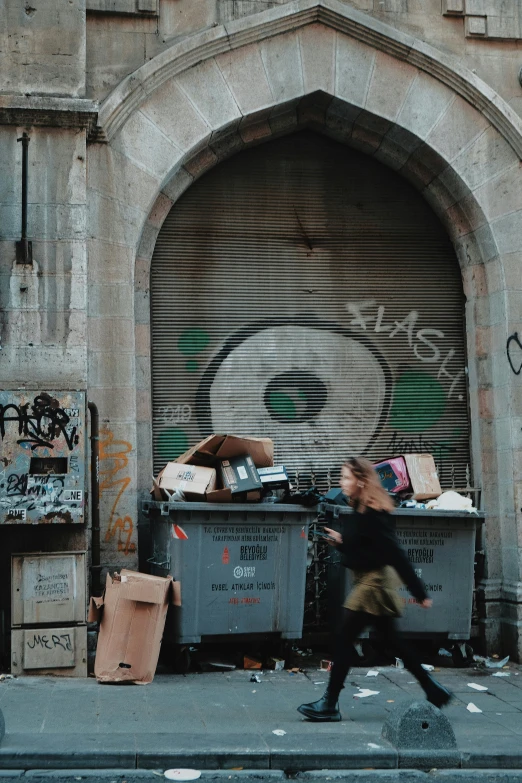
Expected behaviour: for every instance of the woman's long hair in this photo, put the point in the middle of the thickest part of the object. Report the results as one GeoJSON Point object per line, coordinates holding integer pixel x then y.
{"type": "Point", "coordinates": [372, 494]}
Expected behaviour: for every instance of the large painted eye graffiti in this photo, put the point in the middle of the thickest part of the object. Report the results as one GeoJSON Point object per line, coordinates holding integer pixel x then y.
{"type": "Point", "coordinates": [318, 390]}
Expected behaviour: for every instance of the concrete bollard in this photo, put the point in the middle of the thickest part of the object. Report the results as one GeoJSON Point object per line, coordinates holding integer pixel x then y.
{"type": "Point", "coordinates": [423, 736]}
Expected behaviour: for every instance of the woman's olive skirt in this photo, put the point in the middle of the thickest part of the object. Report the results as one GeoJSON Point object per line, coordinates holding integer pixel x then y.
{"type": "Point", "coordinates": [376, 592]}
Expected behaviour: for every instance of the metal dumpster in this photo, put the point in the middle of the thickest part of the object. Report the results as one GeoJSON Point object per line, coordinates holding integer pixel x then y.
{"type": "Point", "coordinates": [242, 567]}
{"type": "Point", "coordinates": [441, 547]}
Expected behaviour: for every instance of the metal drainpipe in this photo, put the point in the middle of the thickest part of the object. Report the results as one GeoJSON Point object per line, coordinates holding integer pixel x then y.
{"type": "Point", "coordinates": [95, 499]}
{"type": "Point", "coordinates": [24, 248]}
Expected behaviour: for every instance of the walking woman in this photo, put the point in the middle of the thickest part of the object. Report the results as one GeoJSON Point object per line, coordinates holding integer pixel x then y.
{"type": "Point", "coordinates": [371, 550]}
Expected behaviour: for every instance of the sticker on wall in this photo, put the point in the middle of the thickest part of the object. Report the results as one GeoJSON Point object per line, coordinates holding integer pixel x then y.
{"type": "Point", "coordinates": [42, 468]}
{"type": "Point", "coordinates": [177, 532]}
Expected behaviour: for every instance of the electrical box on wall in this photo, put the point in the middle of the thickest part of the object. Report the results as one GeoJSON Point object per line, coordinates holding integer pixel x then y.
{"type": "Point", "coordinates": [49, 651]}
{"type": "Point", "coordinates": [42, 457]}
{"type": "Point", "coordinates": [48, 588]}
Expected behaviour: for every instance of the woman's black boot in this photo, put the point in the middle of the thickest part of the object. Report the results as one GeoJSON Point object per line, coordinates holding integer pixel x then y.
{"type": "Point", "coordinates": [325, 709]}
{"type": "Point", "coordinates": [435, 692]}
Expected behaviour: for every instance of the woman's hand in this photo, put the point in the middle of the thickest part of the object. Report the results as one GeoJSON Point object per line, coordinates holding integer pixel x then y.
{"type": "Point", "coordinates": [335, 537]}
{"type": "Point", "coordinates": [426, 604]}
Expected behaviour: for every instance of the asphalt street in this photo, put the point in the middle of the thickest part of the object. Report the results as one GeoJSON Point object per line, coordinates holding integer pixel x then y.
{"type": "Point", "coordinates": [270, 776]}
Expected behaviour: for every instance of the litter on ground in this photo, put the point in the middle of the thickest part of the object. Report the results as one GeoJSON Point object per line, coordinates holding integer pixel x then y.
{"type": "Point", "coordinates": [182, 774]}
{"type": "Point", "coordinates": [279, 732]}
{"type": "Point", "coordinates": [472, 707]}
{"type": "Point", "coordinates": [372, 673]}
{"type": "Point", "coordinates": [364, 692]}
{"type": "Point", "coordinates": [476, 687]}
{"type": "Point", "coordinates": [491, 663]}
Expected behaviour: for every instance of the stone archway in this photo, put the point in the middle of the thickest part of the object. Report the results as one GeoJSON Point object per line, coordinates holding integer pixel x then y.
{"type": "Point", "coordinates": [330, 68]}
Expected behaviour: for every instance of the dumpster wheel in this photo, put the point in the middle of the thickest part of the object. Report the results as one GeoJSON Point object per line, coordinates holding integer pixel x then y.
{"type": "Point", "coordinates": [181, 659]}
{"type": "Point", "coordinates": [462, 654]}
{"type": "Point", "coordinates": [367, 653]}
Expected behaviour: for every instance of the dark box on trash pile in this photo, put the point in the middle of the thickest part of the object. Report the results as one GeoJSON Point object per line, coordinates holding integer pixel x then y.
{"type": "Point", "coordinates": [240, 475]}
{"type": "Point", "coordinates": [274, 477]}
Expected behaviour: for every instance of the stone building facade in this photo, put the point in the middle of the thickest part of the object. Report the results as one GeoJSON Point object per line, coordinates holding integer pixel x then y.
{"type": "Point", "coordinates": [128, 102]}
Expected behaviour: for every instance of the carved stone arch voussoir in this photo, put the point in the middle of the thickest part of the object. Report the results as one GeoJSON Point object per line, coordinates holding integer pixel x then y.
{"type": "Point", "coordinates": [128, 96]}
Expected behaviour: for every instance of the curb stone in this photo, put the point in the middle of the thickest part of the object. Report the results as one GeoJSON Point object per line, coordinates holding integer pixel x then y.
{"type": "Point", "coordinates": [367, 776]}
{"type": "Point", "coordinates": [429, 759]}
{"type": "Point", "coordinates": [321, 775]}
{"type": "Point", "coordinates": [251, 774]}
{"type": "Point", "coordinates": [109, 774]}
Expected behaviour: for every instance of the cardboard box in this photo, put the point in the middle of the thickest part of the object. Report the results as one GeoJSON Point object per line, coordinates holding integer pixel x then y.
{"type": "Point", "coordinates": [424, 481]}
{"type": "Point", "coordinates": [132, 618]}
{"type": "Point", "coordinates": [195, 481]}
{"type": "Point", "coordinates": [240, 475]}
{"type": "Point", "coordinates": [251, 663]}
{"type": "Point", "coordinates": [393, 474]}
{"type": "Point", "coordinates": [277, 664]}
{"type": "Point", "coordinates": [217, 447]}
{"type": "Point", "coordinates": [274, 477]}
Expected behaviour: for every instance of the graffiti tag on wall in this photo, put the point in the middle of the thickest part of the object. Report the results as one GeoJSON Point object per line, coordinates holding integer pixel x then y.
{"type": "Point", "coordinates": [113, 477]}
{"type": "Point", "coordinates": [514, 353]}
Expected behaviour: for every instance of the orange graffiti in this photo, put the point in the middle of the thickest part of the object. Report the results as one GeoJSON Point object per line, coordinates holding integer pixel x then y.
{"type": "Point", "coordinates": [113, 462]}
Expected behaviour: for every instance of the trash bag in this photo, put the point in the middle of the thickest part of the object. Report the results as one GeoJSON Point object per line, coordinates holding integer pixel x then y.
{"type": "Point", "coordinates": [311, 497]}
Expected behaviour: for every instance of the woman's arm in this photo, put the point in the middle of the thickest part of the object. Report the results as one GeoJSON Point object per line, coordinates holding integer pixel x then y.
{"type": "Point", "coordinates": [393, 554]}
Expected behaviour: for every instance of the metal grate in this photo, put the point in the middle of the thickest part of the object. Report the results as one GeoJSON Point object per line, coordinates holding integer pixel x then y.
{"type": "Point", "coordinates": [305, 292]}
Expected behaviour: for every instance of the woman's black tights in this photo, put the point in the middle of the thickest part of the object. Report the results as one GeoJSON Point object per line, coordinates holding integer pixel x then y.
{"type": "Point", "coordinates": [345, 655]}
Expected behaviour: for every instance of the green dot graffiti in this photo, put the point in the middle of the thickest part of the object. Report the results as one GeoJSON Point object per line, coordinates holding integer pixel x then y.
{"type": "Point", "coordinates": [172, 442]}
{"type": "Point", "coordinates": [283, 405]}
{"type": "Point", "coordinates": [191, 342]}
{"type": "Point", "coordinates": [418, 402]}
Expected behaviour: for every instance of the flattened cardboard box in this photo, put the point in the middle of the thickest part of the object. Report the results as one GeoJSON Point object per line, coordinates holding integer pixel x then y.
{"type": "Point", "coordinates": [217, 447]}
{"type": "Point", "coordinates": [132, 611]}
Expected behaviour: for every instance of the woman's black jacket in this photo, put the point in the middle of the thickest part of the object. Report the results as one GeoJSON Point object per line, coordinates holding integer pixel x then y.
{"type": "Point", "coordinates": [369, 543]}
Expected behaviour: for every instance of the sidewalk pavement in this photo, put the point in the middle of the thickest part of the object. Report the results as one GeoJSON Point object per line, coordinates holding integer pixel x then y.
{"type": "Point", "coordinates": [223, 720]}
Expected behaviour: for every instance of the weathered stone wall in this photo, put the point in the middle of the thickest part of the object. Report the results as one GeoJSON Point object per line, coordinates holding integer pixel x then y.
{"type": "Point", "coordinates": [42, 47]}
{"type": "Point", "coordinates": [69, 322]}
{"type": "Point", "coordinates": [117, 44]}
{"type": "Point", "coordinates": [43, 306]}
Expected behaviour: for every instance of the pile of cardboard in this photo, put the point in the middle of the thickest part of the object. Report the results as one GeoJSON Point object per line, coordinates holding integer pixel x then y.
{"type": "Point", "coordinates": [410, 475]}
{"type": "Point", "coordinates": [222, 469]}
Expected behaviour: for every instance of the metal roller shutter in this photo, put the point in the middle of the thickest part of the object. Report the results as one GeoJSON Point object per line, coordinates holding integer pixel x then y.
{"type": "Point", "coordinates": [305, 292]}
